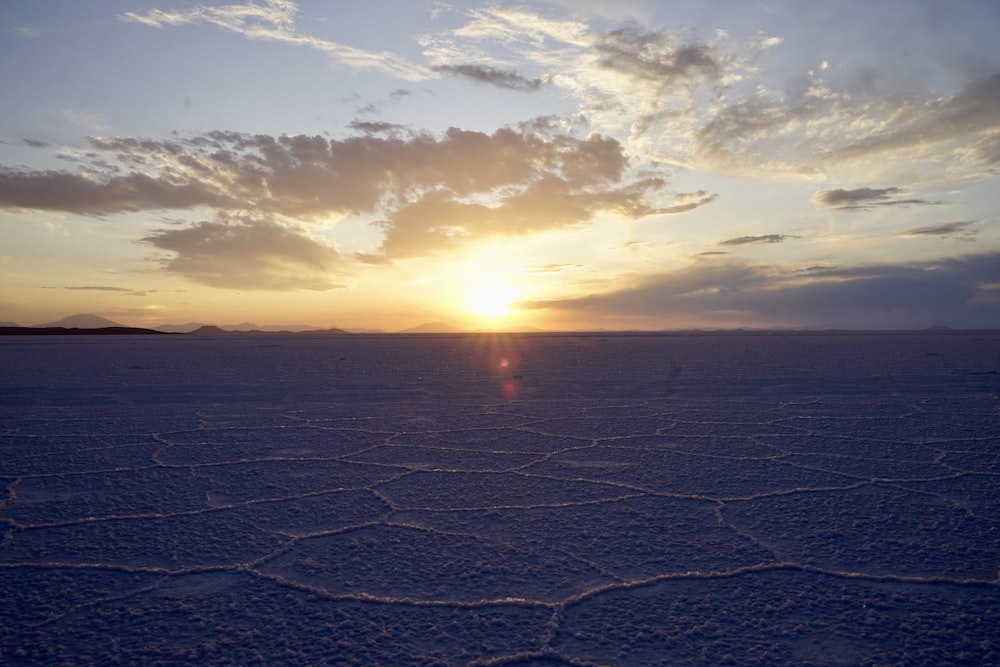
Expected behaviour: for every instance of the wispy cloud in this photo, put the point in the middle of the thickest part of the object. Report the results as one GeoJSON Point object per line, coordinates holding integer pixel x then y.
{"type": "Point", "coordinates": [757, 240]}
{"type": "Point", "coordinates": [275, 20]}
{"type": "Point", "coordinates": [961, 229]}
{"type": "Point", "coordinates": [862, 199]}
{"type": "Point", "coordinates": [27, 32]}
{"type": "Point", "coordinates": [688, 201]}
{"type": "Point", "coordinates": [492, 76]}
{"type": "Point", "coordinates": [711, 102]}
{"type": "Point", "coordinates": [554, 268]}
{"type": "Point", "coordinates": [88, 120]}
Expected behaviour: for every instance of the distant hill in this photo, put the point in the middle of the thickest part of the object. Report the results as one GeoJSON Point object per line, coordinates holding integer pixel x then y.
{"type": "Point", "coordinates": [514, 329]}
{"type": "Point", "coordinates": [212, 330]}
{"type": "Point", "coordinates": [84, 321]}
{"type": "Point", "coordinates": [243, 327]}
{"type": "Point", "coordinates": [434, 327]}
{"type": "Point", "coordinates": [78, 331]}
{"type": "Point", "coordinates": [209, 329]}
{"type": "Point", "coordinates": [9, 324]}
{"type": "Point", "coordinates": [179, 328]}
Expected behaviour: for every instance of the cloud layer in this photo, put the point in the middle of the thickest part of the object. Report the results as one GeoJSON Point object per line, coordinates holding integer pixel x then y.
{"type": "Point", "coordinates": [961, 291]}
{"type": "Point", "coordinates": [428, 194]}
{"type": "Point", "coordinates": [636, 108]}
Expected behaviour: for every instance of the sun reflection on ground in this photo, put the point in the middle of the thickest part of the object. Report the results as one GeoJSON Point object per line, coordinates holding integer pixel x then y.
{"type": "Point", "coordinates": [503, 356]}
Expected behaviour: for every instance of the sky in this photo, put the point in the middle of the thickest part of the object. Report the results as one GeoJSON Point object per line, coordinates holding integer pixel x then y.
{"type": "Point", "coordinates": [628, 164]}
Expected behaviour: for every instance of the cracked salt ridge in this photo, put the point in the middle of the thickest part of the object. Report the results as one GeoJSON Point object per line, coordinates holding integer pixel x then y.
{"type": "Point", "coordinates": [779, 499]}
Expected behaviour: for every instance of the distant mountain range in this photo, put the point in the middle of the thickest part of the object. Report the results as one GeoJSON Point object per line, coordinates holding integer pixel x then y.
{"type": "Point", "coordinates": [434, 327]}
{"type": "Point", "coordinates": [243, 326]}
{"type": "Point", "coordinates": [90, 324]}
{"type": "Point", "coordinates": [91, 321]}
{"type": "Point", "coordinates": [85, 321]}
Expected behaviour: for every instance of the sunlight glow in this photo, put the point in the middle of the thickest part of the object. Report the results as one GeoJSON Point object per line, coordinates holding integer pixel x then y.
{"type": "Point", "coordinates": [489, 301]}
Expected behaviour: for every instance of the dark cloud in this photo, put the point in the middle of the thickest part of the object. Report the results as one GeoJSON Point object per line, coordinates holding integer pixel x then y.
{"type": "Point", "coordinates": [100, 288]}
{"type": "Point", "coordinates": [308, 176]}
{"type": "Point", "coordinates": [656, 56]}
{"type": "Point", "coordinates": [755, 240]}
{"type": "Point", "coordinates": [862, 199]}
{"type": "Point", "coordinates": [492, 76]}
{"type": "Point", "coordinates": [247, 254]}
{"type": "Point", "coordinates": [955, 291]}
{"type": "Point", "coordinates": [376, 127]}
{"type": "Point", "coordinates": [52, 190]}
{"type": "Point", "coordinates": [961, 229]}
{"type": "Point", "coordinates": [430, 192]}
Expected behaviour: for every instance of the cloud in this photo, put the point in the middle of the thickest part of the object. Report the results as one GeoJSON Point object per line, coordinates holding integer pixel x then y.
{"type": "Point", "coordinates": [93, 122]}
{"type": "Point", "coordinates": [27, 32]}
{"type": "Point", "coordinates": [718, 291]}
{"type": "Point", "coordinates": [960, 229]}
{"type": "Point", "coordinates": [970, 112]}
{"type": "Point", "coordinates": [683, 99]}
{"type": "Point", "coordinates": [275, 20]}
{"type": "Point", "coordinates": [717, 104]}
{"type": "Point", "coordinates": [656, 56]}
{"type": "Point", "coordinates": [430, 193]}
{"type": "Point", "coordinates": [376, 127]}
{"type": "Point", "coordinates": [105, 194]}
{"type": "Point", "coordinates": [493, 76]}
{"type": "Point", "coordinates": [554, 268]}
{"type": "Point", "coordinates": [101, 288]}
{"type": "Point", "coordinates": [688, 201]}
{"type": "Point", "coordinates": [756, 240]}
{"type": "Point", "coordinates": [440, 222]}
{"type": "Point", "coordinates": [862, 199]}
{"type": "Point", "coordinates": [247, 254]}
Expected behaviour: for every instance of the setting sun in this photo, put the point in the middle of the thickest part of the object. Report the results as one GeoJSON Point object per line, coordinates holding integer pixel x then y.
{"type": "Point", "coordinates": [490, 301]}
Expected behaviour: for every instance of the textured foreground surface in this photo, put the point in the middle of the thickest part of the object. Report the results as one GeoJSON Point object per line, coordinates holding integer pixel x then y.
{"type": "Point", "coordinates": [531, 500]}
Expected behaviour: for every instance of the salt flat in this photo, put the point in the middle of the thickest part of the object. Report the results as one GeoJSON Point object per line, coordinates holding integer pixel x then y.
{"type": "Point", "coordinates": [537, 499]}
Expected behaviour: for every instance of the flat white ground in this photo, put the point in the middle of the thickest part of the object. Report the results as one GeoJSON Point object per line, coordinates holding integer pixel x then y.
{"type": "Point", "coordinates": [798, 499]}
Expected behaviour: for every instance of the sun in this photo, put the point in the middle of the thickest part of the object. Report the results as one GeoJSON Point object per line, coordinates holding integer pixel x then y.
{"type": "Point", "coordinates": [491, 301]}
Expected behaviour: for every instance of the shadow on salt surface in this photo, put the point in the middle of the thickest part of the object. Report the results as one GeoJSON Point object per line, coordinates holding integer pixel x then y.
{"type": "Point", "coordinates": [976, 456]}
{"type": "Point", "coordinates": [226, 484]}
{"type": "Point", "coordinates": [60, 455]}
{"type": "Point", "coordinates": [441, 458]}
{"type": "Point", "coordinates": [398, 563]}
{"type": "Point", "coordinates": [876, 529]}
{"type": "Point", "coordinates": [507, 440]}
{"type": "Point", "coordinates": [784, 618]}
{"type": "Point", "coordinates": [670, 472]}
{"type": "Point", "coordinates": [106, 494]}
{"type": "Point", "coordinates": [468, 490]}
{"type": "Point", "coordinates": [226, 618]}
{"type": "Point", "coordinates": [217, 445]}
{"type": "Point", "coordinates": [634, 538]}
{"type": "Point", "coordinates": [602, 427]}
{"type": "Point", "coordinates": [869, 468]}
{"type": "Point", "coordinates": [312, 515]}
{"type": "Point", "coordinates": [195, 540]}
